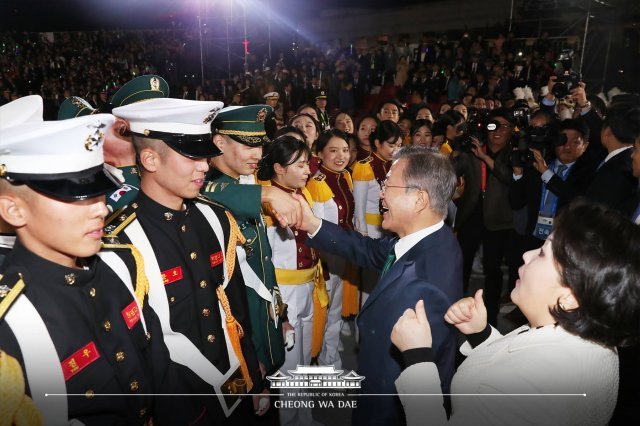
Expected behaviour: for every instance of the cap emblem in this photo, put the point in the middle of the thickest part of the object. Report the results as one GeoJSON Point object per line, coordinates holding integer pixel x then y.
{"type": "Point", "coordinates": [94, 140]}
{"type": "Point", "coordinates": [212, 114]}
{"type": "Point", "coordinates": [261, 116]}
{"type": "Point", "coordinates": [155, 84]}
{"type": "Point", "coordinates": [76, 102]}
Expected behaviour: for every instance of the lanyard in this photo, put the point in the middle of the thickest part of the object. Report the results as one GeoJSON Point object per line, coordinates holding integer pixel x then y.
{"type": "Point", "coordinates": [545, 192]}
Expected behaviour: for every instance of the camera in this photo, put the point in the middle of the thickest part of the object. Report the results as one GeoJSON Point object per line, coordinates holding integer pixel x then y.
{"type": "Point", "coordinates": [540, 138]}
{"type": "Point", "coordinates": [521, 113]}
{"type": "Point", "coordinates": [476, 127]}
{"type": "Point", "coordinates": [567, 78]}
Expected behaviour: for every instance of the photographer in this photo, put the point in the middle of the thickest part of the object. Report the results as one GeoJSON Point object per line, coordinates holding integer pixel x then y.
{"type": "Point", "coordinates": [544, 188]}
{"type": "Point", "coordinates": [567, 84]}
{"type": "Point", "coordinates": [484, 215]}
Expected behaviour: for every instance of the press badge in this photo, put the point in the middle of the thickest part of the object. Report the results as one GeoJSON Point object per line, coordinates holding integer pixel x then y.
{"type": "Point", "coordinates": [543, 227]}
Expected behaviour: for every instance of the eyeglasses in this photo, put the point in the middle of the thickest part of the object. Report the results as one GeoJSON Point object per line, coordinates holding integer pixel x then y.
{"type": "Point", "coordinates": [384, 186]}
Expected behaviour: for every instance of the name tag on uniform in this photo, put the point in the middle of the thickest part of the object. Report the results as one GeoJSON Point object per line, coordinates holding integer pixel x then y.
{"type": "Point", "coordinates": [131, 314]}
{"type": "Point", "coordinates": [172, 275]}
{"type": "Point", "coordinates": [215, 259]}
{"type": "Point", "coordinates": [544, 226]}
{"type": "Point", "coordinates": [79, 360]}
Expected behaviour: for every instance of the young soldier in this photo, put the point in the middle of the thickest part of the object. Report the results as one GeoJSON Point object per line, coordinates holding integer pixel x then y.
{"type": "Point", "coordinates": [188, 245]}
{"type": "Point", "coordinates": [79, 328]}
{"type": "Point", "coordinates": [239, 133]}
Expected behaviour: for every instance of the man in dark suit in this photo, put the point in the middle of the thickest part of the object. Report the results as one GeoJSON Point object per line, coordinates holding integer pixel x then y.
{"type": "Point", "coordinates": [545, 188]}
{"type": "Point", "coordinates": [614, 183]}
{"type": "Point", "coordinates": [423, 263]}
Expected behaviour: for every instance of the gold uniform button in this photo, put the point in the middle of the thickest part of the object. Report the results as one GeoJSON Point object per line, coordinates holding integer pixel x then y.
{"type": "Point", "coordinates": [206, 312]}
{"type": "Point", "coordinates": [172, 299]}
{"type": "Point", "coordinates": [193, 255]}
{"type": "Point", "coordinates": [143, 411]}
{"type": "Point", "coordinates": [89, 394]}
{"type": "Point", "coordinates": [70, 279]}
{"type": "Point", "coordinates": [122, 217]}
{"type": "Point", "coordinates": [340, 207]}
{"type": "Point", "coordinates": [107, 326]}
{"type": "Point", "coordinates": [183, 228]}
{"type": "Point", "coordinates": [120, 356]}
{"type": "Point", "coordinates": [92, 292]}
{"type": "Point", "coordinates": [148, 336]}
{"type": "Point", "coordinates": [168, 216]}
{"type": "Point", "coordinates": [203, 284]}
{"type": "Point", "coordinates": [211, 338]}
{"type": "Point", "coordinates": [295, 233]}
{"type": "Point", "coordinates": [134, 205]}
{"type": "Point", "coordinates": [133, 386]}
{"type": "Point", "coordinates": [300, 265]}
{"type": "Point", "coordinates": [300, 250]}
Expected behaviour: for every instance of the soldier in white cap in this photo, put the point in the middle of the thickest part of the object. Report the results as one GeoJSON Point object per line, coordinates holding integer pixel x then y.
{"type": "Point", "coordinates": [80, 329]}
{"type": "Point", "coordinates": [189, 248]}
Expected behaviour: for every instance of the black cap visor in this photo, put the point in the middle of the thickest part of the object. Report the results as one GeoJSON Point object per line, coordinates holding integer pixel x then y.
{"type": "Point", "coordinates": [192, 146]}
{"type": "Point", "coordinates": [74, 187]}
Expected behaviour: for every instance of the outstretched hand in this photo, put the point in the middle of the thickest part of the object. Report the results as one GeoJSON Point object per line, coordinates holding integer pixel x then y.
{"type": "Point", "coordinates": [469, 315]}
{"type": "Point", "coordinates": [412, 329]}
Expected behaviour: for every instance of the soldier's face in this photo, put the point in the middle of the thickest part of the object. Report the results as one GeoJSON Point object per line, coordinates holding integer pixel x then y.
{"type": "Point", "coordinates": [296, 174]}
{"type": "Point", "coordinates": [177, 178]}
{"type": "Point", "coordinates": [60, 231]}
{"type": "Point", "coordinates": [239, 159]}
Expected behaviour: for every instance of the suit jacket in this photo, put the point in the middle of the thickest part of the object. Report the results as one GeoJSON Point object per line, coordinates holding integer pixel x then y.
{"type": "Point", "coordinates": [614, 183]}
{"type": "Point", "coordinates": [432, 271]}
{"type": "Point", "coordinates": [527, 191]}
{"type": "Point", "coordinates": [525, 361]}
{"type": "Point", "coordinates": [495, 205]}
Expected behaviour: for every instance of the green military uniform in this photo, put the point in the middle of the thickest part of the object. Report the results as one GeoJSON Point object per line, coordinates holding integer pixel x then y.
{"type": "Point", "coordinates": [139, 89]}
{"type": "Point", "coordinates": [246, 125]}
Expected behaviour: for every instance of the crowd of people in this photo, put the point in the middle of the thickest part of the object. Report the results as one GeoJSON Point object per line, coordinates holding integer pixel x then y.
{"type": "Point", "coordinates": [188, 246]}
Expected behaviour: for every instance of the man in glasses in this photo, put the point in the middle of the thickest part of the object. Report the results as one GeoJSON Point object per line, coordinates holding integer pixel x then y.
{"type": "Point", "coordinates": [484, 215]}
{"type": "Point", "coordinates": [422, 262]}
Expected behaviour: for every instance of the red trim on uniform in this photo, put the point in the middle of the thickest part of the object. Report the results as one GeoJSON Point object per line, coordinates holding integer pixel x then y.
{"type": "Point", "coordinates": [79, 360]}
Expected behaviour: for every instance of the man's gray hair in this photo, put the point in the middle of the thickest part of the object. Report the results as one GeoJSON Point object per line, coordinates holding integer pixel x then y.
{"type": "Point", "coordinates": [429, 171]}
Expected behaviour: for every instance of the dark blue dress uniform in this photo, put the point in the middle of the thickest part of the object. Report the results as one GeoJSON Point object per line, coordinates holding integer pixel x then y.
{"type": "Point", "coordinates": [97, 332]}
{"type": "Point", "coordinates": [190, 258]}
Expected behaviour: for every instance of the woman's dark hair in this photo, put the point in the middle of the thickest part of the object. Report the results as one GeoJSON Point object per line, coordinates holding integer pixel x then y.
{"type": "Point", "coordinates": [284, 150]}
{"type": "Point", "coordinates": [290, 129]}
{"type": "Point", "coordinates": [326, 136]}
{"type": "Point", "coordinates": [303, 106]}
{"type": "Point", "coordinates": [420, 123]}
{"type": "Point", "coordinates": [597, 250]}
{"type": "Point", "coordinates": [503, 112]}
{"type": "Point", "coordinates": [385, 130]}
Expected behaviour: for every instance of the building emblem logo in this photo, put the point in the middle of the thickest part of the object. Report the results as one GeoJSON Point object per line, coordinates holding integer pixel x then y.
{"type": "Point", "coordinates": [316, 376]}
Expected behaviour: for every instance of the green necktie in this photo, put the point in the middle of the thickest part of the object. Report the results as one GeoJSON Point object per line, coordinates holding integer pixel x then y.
{"type": "Point", "coordinates": [389, 262]}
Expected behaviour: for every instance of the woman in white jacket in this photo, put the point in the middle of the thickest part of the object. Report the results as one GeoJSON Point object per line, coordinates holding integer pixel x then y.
{"type": "Point", "coordinates": [581, 296]}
